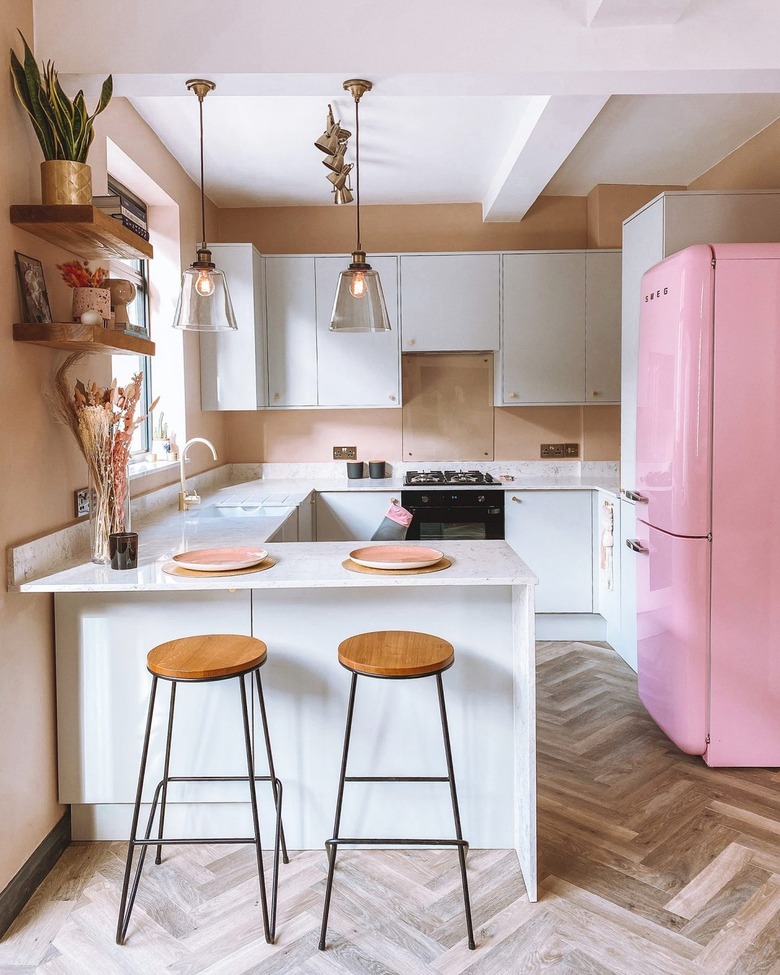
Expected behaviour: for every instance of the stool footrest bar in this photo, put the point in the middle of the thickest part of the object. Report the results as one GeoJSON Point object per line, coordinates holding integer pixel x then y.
{"type": "Point", "coordinates": [385, 841]}
{"type": "Point", "coordinates": [395, 778]}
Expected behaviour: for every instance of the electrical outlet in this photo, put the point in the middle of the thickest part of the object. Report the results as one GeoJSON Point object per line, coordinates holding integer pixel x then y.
{"type": "Point", "coordinates": [571, 450]}
{"type": "Point", "coordinates": [551, 450]}
{"type": "Point", "coordinates": [81, 498]}
{"type": "Point", "coordinates": [345, 453]}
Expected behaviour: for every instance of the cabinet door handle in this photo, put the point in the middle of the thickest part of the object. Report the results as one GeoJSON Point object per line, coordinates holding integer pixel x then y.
{"type": "Point", "coordinates": [410, 341]}
{"type": "Point", "coordinates": [391, 398]}
{"type": "Point", "coordinates": [513, 395]}
{"type": "Point", "coordinates": [596, 392]}
{"type": "Point", "coordinates": [636, 546]}
{"type": "Point", "coordinates": [636, 496]}
{"type": "Point", "coordinates": [517, 500]}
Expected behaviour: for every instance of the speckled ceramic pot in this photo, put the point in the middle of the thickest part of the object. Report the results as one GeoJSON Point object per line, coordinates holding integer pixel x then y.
{"type": "Point", "coordinates": [91, 299]}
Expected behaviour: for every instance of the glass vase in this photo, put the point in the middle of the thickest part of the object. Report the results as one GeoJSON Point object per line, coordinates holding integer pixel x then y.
{"type": "Point", "coordinates": [109, 511]}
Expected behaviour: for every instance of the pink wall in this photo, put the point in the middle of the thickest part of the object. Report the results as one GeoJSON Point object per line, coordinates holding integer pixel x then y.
{"type": "Point", "coordinates": [41, 466]}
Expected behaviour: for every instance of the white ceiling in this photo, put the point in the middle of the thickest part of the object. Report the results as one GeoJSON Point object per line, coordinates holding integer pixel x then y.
{"type": "Point", "coordinates": [492, 106]}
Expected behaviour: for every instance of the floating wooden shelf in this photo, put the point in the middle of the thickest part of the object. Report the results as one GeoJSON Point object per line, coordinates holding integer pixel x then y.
{"type": "Point", "coordinates": [75, 337]}
{"type": "Point", "coordinates": [83, 230]}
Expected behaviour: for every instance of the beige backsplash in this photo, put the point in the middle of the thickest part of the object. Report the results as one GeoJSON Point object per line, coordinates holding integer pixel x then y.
{"type": "Point", "coordinates": [448, 407]}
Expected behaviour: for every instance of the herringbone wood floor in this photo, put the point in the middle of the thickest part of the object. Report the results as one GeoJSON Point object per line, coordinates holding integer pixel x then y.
{"type": "Point", "coordinates": [650, 863]}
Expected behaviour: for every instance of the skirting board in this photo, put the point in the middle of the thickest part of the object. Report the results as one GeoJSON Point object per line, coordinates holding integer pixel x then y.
{"type": "Point", "coordinates": [570, 626]}
{"type": "Point", "coordinates": [32, 873]}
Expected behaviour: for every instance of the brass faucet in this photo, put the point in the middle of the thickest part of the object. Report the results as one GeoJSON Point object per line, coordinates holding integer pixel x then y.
{"type": "Point", "coordinates": [185, 500]}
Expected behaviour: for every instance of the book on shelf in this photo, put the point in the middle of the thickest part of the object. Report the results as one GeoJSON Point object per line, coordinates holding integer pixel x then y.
{"type": "Point", "coordinates": [137, 330]}
{"type": "Point", "coordinates": [116, 203]}
{"type": "Point", "coordinates": [142, 232]}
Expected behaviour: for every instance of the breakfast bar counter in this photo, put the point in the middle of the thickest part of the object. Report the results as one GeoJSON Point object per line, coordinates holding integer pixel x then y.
{"type": "Point", "coordinates": [302, 606]}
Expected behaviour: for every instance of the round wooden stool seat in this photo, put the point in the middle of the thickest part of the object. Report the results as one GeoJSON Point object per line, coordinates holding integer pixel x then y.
{"type": "Point", "coordinates": [396, 653]}
{"type": "Point", "coordinates": [208, 657]}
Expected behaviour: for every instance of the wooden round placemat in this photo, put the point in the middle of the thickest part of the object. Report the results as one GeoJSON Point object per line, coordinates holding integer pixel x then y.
{"type": "Point", "coordinates": [443, 563]}
{"type": "Point", "coordinates": [177, 570]}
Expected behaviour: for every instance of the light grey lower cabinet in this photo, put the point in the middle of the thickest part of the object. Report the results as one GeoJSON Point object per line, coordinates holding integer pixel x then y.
{"type": "Point", "coordinates": [552, 531]}
{"type": "Point", "coordinates": [350, 515]}
{"type": "Point", "coordinates": [233, 363]}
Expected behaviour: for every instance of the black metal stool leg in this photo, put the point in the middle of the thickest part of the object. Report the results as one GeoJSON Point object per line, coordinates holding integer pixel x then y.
{"type": "Point", "coordinates": [455, 810]}
{"type": "Point", "coordinates": [271, 769]}
{"type": "Point", "coordinates": [166, 767]}
{"type": "Point", "coordinates": [331, 846]}
{"type": "Point", "coordinates": [250, 770]}
{"type": "Point", "coordinates": [125, 905]}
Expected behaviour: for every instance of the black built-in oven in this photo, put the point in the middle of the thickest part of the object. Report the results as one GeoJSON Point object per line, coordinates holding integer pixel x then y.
{"type": "Point", "coordinates": [443, 513]}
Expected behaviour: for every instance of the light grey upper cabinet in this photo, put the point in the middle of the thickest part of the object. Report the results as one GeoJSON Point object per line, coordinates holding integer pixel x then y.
{"type": "Point", "coordinates": [357, 368]}
{"type": "Point", "coordinates": [561, 328]}
{"type": "Point", "coordinates": [543, 349]}
{"type": "Point", "coordinates": [291, 315]}
{"type": "Point", "coordinates": [450, 302]}
{"type": "Point", "coordinates": [233, 364]}
{"type": "Point", "coordinates": [602, 326]}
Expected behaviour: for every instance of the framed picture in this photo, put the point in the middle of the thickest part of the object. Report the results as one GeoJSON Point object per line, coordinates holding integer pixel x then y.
{"type": "Point", "coordinates": [35, 300]}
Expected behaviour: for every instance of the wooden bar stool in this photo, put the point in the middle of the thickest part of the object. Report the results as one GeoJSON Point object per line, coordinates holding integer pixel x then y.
{"type": "Point", "coordinates": [198, 660]}
{"type": "Point", "coordinates": [396, 655]}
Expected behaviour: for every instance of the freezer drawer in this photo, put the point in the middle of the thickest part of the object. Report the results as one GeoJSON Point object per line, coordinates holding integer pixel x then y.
{"type": "Point", "coordinates": [673, 611]}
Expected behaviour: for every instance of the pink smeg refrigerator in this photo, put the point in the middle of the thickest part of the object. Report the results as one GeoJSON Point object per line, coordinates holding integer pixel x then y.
{"type": "Point", "coordinates": [708, 480]}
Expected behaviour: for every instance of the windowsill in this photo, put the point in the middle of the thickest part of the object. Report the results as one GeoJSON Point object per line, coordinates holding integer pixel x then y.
{"type": "Point", "coordinates": [139, 467]}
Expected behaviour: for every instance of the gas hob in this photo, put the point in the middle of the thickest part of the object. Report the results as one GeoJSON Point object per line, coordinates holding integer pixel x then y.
{"type": "Point", "coordinates": [443, 478]}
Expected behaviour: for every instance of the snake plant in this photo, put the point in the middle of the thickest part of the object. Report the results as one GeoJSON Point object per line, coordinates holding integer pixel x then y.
{"type": "Point", "coordinates": [63, 127]}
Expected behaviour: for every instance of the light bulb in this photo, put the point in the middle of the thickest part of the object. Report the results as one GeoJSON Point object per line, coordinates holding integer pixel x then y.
{"type": "Point", "coordinates": [357, 286]}
{"type": "Point", "coordinates": [205, 283]}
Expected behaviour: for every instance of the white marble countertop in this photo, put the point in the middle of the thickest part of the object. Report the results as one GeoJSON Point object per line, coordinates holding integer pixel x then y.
{"type": "Point", "coordinates": [57, 562]}
{"type": "Point", "coordinates": [298, 565]}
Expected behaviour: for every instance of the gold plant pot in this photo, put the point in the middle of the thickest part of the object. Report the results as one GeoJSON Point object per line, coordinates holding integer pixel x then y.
{"type": "Point", "coordinates": [63, 181]}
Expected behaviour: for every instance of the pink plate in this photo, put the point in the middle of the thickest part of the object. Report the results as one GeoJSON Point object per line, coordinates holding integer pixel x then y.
{"type": "Point", "coordinates": [395, 556]}
{"type": "Point", "coordinates": [220, 559]}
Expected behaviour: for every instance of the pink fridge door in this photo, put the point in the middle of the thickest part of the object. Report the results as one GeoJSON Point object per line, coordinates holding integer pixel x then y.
{"type": "Point", "coordinates": [673, 604]}
{"type": "Point", "coordinates": [674, 393]}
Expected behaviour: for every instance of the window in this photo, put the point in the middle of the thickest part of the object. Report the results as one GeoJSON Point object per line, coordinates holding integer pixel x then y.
{"type": "Point", "coordinates": [124, 367]}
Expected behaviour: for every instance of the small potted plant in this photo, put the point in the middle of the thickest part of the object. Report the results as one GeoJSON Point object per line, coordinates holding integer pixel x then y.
{"type": "Point", "coordinates": [161, 445]}
{"type": "Point", "coordinates": [63, 127]}
{"type": "Point", "coordinates": [91, 300]}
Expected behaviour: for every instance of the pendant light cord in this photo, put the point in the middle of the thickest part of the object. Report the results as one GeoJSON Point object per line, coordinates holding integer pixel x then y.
{"type": "Point", "coordinates": [357, 169]}
{"type": "Point", "coordinates": [202, 180]}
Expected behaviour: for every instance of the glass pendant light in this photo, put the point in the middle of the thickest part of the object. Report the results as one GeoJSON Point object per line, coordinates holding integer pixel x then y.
{"type": "Point", "coordinates": [204, 302]}
{"type": "Point", "coordinates": [360, 304]}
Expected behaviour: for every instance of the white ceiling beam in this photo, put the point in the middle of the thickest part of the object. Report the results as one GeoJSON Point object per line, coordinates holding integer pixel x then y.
{"type": "Point", "coordinates": [547, 133]}
{"type": "Point", "coordinates": [633, 13]}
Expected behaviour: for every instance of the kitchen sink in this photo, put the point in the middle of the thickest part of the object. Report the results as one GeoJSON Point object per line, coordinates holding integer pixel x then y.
{"type": "Point", "coordinates": [237, 511]}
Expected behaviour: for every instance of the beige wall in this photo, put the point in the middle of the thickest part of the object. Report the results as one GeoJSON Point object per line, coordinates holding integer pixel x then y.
{"type": "Point", "coordinates": [41, 466]}
{"type": "Point", "coordinates": [553, 222]}
{"type": "Point", "coordinates": [609, 204]}
{"type": "Point", "coordinates": [287, 436]}
{"type": "Point", "coordinates": [753, 166]}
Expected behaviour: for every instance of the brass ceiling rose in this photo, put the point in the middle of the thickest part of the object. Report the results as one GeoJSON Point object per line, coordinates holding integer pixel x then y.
{"type": "Point", "coordinates": [201, 87]}
{"type": "Point", "coordinates": [358, 87]}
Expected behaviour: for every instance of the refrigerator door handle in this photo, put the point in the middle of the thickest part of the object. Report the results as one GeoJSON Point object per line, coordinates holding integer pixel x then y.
{"type": "Point", "coordinates": [635, 496]}
{"type": "Point", "coordinates": [636, 546]}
